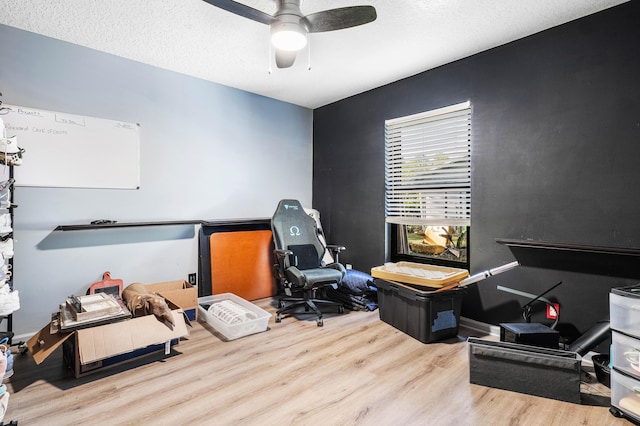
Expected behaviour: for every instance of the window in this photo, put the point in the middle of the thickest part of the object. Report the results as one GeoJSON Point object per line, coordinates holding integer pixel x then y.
{"type": "Point", "coordinates": [428, 185]}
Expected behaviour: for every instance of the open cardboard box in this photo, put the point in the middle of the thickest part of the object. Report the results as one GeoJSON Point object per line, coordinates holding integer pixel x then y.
{"type": "Point", "coordinates": [180, 293]}
{"type": "Point", "coordinates": [91, 349]}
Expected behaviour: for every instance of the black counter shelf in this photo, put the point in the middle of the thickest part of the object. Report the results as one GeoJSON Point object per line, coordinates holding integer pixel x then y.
{"type": "Point", "coordinates": [87, 226]}
{"type": "Point", "coordinates": [583, 258]}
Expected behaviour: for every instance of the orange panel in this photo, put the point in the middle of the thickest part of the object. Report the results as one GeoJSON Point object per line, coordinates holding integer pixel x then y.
{"type": "Point", "coordinates": [241, 263]}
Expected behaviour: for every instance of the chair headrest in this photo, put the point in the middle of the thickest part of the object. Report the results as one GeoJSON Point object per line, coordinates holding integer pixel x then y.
{"type": "Point", "coordinates": [288, 207]}
{"type": "Point", "coordinates": [292, 226]}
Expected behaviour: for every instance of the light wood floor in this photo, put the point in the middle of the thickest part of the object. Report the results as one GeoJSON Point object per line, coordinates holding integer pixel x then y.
{"type": "Point", "coordinates": [356, 370]}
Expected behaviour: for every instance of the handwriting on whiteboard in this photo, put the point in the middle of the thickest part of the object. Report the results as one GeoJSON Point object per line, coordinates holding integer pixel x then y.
{"type": "Point", "coordinates": [66, 150]}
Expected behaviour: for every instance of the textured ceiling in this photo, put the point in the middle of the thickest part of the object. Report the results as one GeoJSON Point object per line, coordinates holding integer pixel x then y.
{"type": "Point", "coordinates": [197, 39]}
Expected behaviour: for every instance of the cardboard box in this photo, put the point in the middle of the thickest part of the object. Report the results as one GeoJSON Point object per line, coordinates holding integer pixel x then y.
{"type": "Point", "coordinates": [180, 293]}
{"type": "Point", "coordinates": [71, 358]}
{"type": "Point", "coordinates": [94, 348]}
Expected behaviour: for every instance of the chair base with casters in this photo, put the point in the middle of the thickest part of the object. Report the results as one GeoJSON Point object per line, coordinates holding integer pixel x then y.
{"type": "Point", "coordinates": [287, 304]}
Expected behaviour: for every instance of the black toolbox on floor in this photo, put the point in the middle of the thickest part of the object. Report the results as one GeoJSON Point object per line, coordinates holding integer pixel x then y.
{"type": "Point", "coordinates": [424, 315]}
{"type": "Point", "coordinates": [532, 334]}
{"type": "Point", "coordinates": [545, 372]}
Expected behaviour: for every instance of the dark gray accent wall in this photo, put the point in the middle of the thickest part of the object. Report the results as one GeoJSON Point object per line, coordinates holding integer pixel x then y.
{"type": "Point", "coordinates": [556, 146]}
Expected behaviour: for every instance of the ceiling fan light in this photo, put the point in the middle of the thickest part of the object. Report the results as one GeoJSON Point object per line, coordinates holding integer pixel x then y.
{"type": "Point", "coordinates": [288, 36]}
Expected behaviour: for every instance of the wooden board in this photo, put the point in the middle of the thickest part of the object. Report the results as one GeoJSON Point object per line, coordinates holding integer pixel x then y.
{"type": "Point", "coordinates": [419, 274]}
{"type": "Point", "coordinates": [241, 263]}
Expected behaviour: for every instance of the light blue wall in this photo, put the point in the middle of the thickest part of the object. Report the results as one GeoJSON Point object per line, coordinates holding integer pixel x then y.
{"type": "Point", "coordinates": [207, 152]}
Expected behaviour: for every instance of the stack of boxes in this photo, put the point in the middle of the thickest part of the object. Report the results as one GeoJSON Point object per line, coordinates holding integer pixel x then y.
{"type": "Point", "coordinates": [91, 349]}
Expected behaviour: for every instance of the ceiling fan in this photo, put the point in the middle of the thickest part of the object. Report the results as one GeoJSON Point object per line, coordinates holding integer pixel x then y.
{"type": "Point", "coordinates": [289, 26]}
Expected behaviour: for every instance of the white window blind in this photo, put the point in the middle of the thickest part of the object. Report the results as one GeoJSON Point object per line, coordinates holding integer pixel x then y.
{"type": "Point", "coordinates": [428, 167]}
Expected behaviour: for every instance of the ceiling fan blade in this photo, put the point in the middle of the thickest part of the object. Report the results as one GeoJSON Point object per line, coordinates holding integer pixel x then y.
{"type": "Point", "coordinates": [337, 19]}
{"type": "Point", "coordinates": [242, 10]}
{"type": "Point", "coordinates": [285, 58]}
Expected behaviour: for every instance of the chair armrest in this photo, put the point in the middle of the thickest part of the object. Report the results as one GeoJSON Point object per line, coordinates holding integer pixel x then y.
{"type": "Point", "coordinates": [335, 251]}
{"type": "Point", "coordinates": [282, 256]}
{"type": "Point", "coordinates": [282, 252]}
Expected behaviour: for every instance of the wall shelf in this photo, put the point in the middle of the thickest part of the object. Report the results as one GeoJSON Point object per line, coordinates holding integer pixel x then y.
{"type": "Point", "coordinates": [86, 226]}
{"type": "Point", "coordinates": [570, 247]}
{"type": "Point", "coordinates": [584, 258]}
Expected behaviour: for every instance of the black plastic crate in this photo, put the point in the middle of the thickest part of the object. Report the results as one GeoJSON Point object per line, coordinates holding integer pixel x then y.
{"type": "Point", "coordinates": [424, 315]}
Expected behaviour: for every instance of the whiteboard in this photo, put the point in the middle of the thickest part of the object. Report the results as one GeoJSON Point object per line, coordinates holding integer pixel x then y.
{"type": "Point", "coordinates": [73, 151]}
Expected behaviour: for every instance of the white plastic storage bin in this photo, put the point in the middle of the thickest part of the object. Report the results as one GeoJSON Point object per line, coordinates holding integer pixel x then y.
{"type": "Point", "coordinates": [625, 312]}
{"type": "Point", "coordinates": [625, 354]}
{"type": "Point", "coordinates": [232, 316]}
{"type": "Point", "coordinates": [625, 395]}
